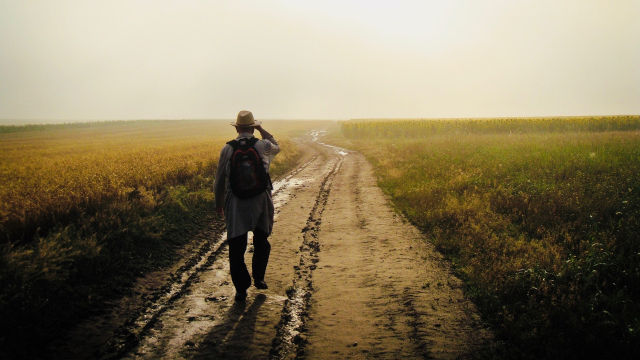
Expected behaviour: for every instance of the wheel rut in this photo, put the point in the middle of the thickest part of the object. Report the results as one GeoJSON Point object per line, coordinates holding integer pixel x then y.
{"type": "Point", "coordinates": [380, 289]}
{"type": "Point", "coordinates": [289, 338]}
{"type": "Point", "coordinates": [348, 278]}
{"type": "Point", "coordinates": [194, 316]}
{"type": "Point", "coordinates": [128, 336]}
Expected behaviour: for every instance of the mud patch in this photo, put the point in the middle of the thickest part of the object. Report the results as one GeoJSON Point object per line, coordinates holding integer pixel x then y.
{"type": "Point", "coordinates": [290, 337]}
{"type": "Point", "coordinates": [129, 335]}
{"type": "Point", "coordinates": [176, 320]}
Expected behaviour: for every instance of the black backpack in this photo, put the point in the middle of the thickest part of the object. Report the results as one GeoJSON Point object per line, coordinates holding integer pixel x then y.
{"type": "Point", "coordinates": [247, 176]}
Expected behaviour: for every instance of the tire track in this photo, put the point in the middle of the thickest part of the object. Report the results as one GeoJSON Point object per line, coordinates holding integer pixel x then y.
{"type": "Point", "coordinates": [282, 184]}
{"type": "Point", "coordinates": [128, 336]}
{"type": "Point", "coordinates": [415, 323]}
{"type": "Point", "coordinates": [135, 329]}
{"type": "Point", "coordinates": [372, 296]}
{"type": "Point", "coordinates": [294, 315]}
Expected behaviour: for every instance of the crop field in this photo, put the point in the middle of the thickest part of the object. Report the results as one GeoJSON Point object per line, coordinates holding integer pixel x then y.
{"type": "Point", "coordinates": [541, 218]}
{"type": "Point", "coordinates": [100, 203]}
{"type": "Point", "coordinates": [53, 170]}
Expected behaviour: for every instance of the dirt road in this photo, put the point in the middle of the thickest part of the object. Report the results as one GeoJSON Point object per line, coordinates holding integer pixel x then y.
{"type": "Point", "coordinates": [348, 278]}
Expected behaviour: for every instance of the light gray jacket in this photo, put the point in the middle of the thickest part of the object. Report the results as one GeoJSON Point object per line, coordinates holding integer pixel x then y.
{"type": "Point", "coordinates": [242, 216]}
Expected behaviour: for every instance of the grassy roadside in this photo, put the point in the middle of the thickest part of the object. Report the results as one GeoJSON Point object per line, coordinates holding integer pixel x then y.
{"type": "Point", "coordinates": [98, 209]}
{"type": "Point", "coordinates": [543, 226]}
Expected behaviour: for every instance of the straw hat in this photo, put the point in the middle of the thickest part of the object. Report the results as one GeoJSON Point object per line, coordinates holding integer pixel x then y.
{"type": "Point", "coordinates": [245, 118]}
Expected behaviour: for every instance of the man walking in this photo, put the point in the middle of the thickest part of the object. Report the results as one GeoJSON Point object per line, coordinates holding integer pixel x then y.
{"type": "Point", "coordinates": [243, 196]}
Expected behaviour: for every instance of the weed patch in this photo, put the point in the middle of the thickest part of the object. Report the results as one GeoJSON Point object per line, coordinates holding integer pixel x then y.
{"type": "Point", "coordinates": [543, 225]}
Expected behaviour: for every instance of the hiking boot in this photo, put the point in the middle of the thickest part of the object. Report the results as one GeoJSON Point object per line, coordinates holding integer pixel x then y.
{"type": "Point", "coordinates": [260, 284]}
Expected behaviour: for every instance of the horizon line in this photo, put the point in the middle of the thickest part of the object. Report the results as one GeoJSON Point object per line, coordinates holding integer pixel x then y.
{"type": "Point", "coordinates": [77, 121]}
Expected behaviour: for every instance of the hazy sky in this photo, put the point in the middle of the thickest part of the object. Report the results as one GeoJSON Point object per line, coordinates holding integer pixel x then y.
{"type": "Point", "coordinates": [325, 59]}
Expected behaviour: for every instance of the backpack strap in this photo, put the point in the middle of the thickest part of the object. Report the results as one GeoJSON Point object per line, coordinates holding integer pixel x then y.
{"type": "Point", "coordinates": [252, 142]}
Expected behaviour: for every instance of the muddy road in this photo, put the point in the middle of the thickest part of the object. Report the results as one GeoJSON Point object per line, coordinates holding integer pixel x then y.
{"type": "Point", "coordinates": [348, 278]}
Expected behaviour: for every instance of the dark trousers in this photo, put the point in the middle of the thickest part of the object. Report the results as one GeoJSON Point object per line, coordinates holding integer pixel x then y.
{"type": "Point", "coordinates": [261, 249]}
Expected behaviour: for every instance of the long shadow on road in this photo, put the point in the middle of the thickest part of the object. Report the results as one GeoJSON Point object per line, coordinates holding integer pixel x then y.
{"type": "Point", "coordinates": [231, 339]}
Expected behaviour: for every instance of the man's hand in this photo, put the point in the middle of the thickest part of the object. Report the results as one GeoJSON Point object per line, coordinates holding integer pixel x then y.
{"type": "Point", "coordinates": [220, 211]}
{"type": "Point", "coordinates": [263, 132]}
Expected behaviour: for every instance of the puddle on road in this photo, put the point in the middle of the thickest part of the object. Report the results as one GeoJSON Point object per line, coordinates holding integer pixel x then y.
{"type": "Point", "coordinates": [316, 134]}
{"type": "Point", "coordinates": [286, 191]}
{"type": "Point", "coordinates": [283, 190]}
{"type": "Point", "coordinates": [183, 301]}
{"type": "Point", "coordinates": [339, 150]}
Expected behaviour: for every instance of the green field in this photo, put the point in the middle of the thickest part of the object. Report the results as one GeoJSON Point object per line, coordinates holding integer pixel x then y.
{"type": "Point", "coordinates": [541, 218]}
{"type": "Point", "coordinates": [86, 208]}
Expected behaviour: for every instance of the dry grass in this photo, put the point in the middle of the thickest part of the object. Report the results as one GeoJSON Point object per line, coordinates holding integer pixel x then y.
{"type": "Point", "coordinates": [544, 225]}
{"type": "Point", "coordinates": [85, 208]}
{"type": "Point", "coordinates": [62, 170]}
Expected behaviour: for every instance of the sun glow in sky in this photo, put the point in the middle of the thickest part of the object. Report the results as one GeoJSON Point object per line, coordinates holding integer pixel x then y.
{"type": "Point", "coordinates": [91, 60]}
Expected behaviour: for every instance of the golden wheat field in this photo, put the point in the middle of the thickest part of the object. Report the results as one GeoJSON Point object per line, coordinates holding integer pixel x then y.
{"type": "Point", "coordinates": [66, 168]}
{"type": "Point", "coordinates": [87, 207]}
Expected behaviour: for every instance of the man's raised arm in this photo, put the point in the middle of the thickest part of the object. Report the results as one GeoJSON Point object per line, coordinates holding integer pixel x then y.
{"type": "Point", "coordinates": [274, 148]}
